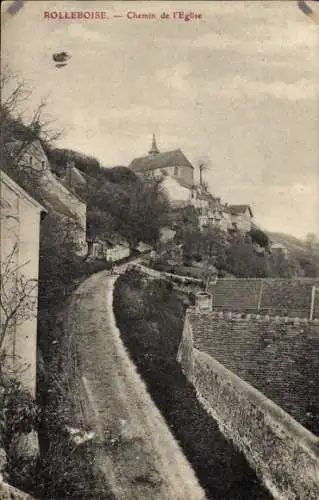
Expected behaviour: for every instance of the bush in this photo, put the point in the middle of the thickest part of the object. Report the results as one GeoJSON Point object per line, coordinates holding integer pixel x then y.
{"type": "Point", "coordinates": [19, 413]}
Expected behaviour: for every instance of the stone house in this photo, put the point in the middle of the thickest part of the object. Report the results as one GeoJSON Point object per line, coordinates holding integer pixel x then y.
{"type": "Point", "coordinates": [117, 249]}
{"type": "Point", "coordinates": [241, 217]}
{"type": "Point", "coordinates": [112, 248]}
{"type": "Point", "coordinates": [228, 218]}
{"type": "Point", "coordinates": [278, 249]}
{"type": "Point", "coordinates": [66, 202]}
{"type": "Point", "coordinates": [57, 193]}
{"type": "Point", "coordinates": [19, 251]}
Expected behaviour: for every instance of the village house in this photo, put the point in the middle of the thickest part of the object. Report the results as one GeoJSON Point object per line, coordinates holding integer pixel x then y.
{"type": "Point", "coordinates": [19, 254]}
{"type": "Point", "coordinates": [65, 201]}
{"type": "Point", "coordinates": [111, 248]}
{"type": "Point", "coordinates": [176, 175]}
{"type": "Point", "coordinates": [227, 218]}
{"type": "Point", "coordinates": [278, 249]}
{"type": "Point", "coordinates": [58, 194]}
{"type": "Point", "coordinates": [241, 217]}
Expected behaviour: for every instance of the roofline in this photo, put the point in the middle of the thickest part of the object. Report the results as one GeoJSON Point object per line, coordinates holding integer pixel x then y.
{"type": "Point", "coordinates": [20, 191]}
{"type": "Point", "coordinates": [241, 205]}
{"type": "Point", "coordinates": [68, 188]}
{"type": "Point", "coordinates": [156, 156]}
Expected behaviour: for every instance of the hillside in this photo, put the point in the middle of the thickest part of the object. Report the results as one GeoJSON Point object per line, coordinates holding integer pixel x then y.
{"type": "Point", "coordinates": [306, 255]}
{"type": "Point", "coordinates": [293, 244]}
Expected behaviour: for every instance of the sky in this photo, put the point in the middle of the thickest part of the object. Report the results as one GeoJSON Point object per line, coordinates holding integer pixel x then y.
{"type": "Point", "coordinates": [237, 89]}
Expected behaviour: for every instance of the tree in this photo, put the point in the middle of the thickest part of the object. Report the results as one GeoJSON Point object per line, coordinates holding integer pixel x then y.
{"type": "Point", "coordinates": [18, 295]}
{"type": "Point", "coordinates": [18, 132]}
{"type": "Point", "coordinates": [311, 240]}
{"type": "Point", "coordinates": [242, 260]}
{"type": "Point", "coordinates": [259, 237]}
{"type": "Point", "coordinates": [135, 209]}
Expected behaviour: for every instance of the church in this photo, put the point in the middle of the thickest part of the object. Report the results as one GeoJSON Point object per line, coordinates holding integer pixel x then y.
{"type": "Point", "coordinates": [176, 174]}
{"type": "Point", "coordinates": [172, 168]}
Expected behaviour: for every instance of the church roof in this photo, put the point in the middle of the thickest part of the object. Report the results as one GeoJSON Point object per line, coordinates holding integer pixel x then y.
{"type": "Point", "coordinates": [160, 160]}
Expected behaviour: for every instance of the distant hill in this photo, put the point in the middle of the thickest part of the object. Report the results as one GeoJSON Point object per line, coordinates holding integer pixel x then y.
{"type": "Point", "coordinates": [293, 244]}
{"type": "Point", "coordinates": [307, 256]}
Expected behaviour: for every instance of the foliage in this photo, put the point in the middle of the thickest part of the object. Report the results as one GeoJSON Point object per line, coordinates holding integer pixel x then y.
{"type": "Point", "coordinates": [259, 237]}
{"type": "Point", "coordinates": [66, 468]}
{"type": "Point", "coordinates": [310, 266]}
{"type": "Point", "coordinates": [19, 415]}
{"type": "Point", "coordinates": [13, 122]}
{"type": "Point", "coordinates": [235, 253]}
{"type": "Point", "coordinates": [242, 260]}
{"type": "Point", "coordinates": [134, 209]}
{"type": "Point", "coordinates": [18, 411]}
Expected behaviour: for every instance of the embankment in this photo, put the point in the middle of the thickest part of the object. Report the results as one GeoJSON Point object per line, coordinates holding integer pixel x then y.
{"type": "Point", "coordinates": [150, 316]}
{"type": "Point", "coordinates": [284, 454]}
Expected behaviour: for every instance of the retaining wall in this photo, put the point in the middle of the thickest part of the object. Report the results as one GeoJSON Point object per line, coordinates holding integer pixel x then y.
{"type": "Point", "coordinates": [278, 356]}
{"type": "Point", "coordinates": [283, 453]}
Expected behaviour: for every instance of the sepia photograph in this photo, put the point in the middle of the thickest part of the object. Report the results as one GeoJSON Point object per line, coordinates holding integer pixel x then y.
{"type": "Point", "coordinates": [159, 250]}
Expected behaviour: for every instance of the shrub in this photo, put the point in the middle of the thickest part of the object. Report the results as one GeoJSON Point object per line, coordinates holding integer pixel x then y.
{"type": "Point", "coordinates": [19, 413]}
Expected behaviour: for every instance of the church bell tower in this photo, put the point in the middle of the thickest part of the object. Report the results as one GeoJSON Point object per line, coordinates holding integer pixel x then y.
{"type": "Point", "coordinates": [154, 150]}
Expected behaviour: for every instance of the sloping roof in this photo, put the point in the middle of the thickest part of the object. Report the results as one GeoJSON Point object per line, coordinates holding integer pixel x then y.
{"type": "Point", "coordinates": [53, 202]}
{"type": "Point", "coordinates": [179, 181]}
{"type": "Point", "coordinates": [204, 196]}
{"type": "Point", "coordinates": [160, 160]}
{"type": "Point", "coordinates": [6, 179]}
{"type": "Point", "coordinates": [77, 176]}
{"type": "Point", "coordinates": [239, 209]}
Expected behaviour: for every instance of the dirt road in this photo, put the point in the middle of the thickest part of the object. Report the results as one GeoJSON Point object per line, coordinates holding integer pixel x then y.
{"type": "Point", "coordinates": [134, 448]}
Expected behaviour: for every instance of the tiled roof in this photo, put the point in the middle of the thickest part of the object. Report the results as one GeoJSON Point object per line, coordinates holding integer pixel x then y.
{"type": "Point", "coordinates": [205, 196]}
{"type": "Point", "coordinates": [277, 296]}
{"type": "Point", "coordinates": [160, 160]}
{"type": "Point", "coordinates": [239, 209]}
{"type": "Point", "coordinates": [263, 352]}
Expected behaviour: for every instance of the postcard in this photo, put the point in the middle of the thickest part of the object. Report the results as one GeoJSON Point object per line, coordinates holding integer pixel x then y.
{"type": "Point", "coordinates": [159, 218]}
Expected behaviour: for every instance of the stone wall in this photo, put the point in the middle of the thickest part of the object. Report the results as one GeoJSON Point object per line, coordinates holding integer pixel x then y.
{"type": "Point", "coordinates": [283, 453]}
{"type": "Point", "coordinates": [278, 356]}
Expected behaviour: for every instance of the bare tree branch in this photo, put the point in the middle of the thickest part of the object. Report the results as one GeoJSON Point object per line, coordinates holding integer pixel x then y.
{"type": "Point", "coordinates": [17, 298]}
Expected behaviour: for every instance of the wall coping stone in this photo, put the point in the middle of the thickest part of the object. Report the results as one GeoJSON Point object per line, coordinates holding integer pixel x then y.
{"type": "Point", "coordinates": [234, 316]}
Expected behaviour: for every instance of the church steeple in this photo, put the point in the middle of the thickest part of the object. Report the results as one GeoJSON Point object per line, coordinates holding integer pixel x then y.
{"type": "Point", "coordinates": [154, 150]}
